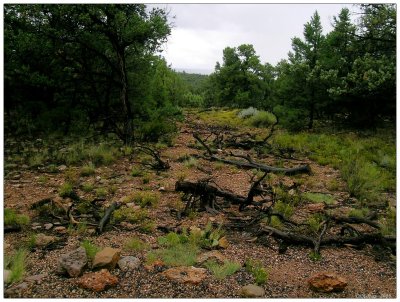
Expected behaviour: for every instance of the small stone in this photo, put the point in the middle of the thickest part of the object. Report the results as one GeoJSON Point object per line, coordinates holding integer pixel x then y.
{"type": "Point", "coordinates": [327, 282]}
{"type": "Point", "coordinates": [73, 262]}
{"type": "Point", "coordinates": [315, 207]}
{"type": "Point", "coordinates": [223, 243]}
{"type": "Point", "coordinates": [43, 240]}
{"type": "Point", "coordinates": [91, 231]}
{"type": "Point", "coordinates": [6, 275]}
{"type": "Point", "coordinates": [62, 168]}
{"type": "Point", "coordinates": [133, 206]}
{"type": "Point", "coordinates": [38, 227]}
{"type": "Point", "coordinates": [98, 178]}
{"type": "Point", "coordinates": [60, 229]}
{"type": "Point", "coordinates": [16, 290]}
{"type": "Point", "coordinates": [108, 257]}
{"type": "Point", "coordinates": [252, 291]}
{"type": "Point", "coordinates": [183, 274]}
{"type": "Point", "coordinates": [161, 189]}
{"type": "Point", "coordinates": [292, 192]}
{"type": "Point", "coordinates": [127, 225]}
{"type": "Point", "coordinates": [48, 226]}
{"type": "Point", "coordinates": [35, 224]}
{"type": "Point", "coordinates": [97, 281]}
{"type": "Point", "coordinates": [155, 266]}
{"type": "Point", "coordinates": [211, 255]}
{"type": "Point", "coordinates": [128, 263]}
{"type": "Point", "coordinates": [35, 278]}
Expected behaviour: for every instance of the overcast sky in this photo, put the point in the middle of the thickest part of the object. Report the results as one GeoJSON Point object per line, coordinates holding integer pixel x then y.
{"type": "Point", "coordinates": [202, 31]}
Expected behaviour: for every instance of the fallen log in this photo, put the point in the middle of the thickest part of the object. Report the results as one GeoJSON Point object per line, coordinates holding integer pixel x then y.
{"type": "Point", "coordinates": [299, 239]}
{"type": "Point", "coordinates": [250, 164]}
{"type": "Point", "coordinates": [201, 188]}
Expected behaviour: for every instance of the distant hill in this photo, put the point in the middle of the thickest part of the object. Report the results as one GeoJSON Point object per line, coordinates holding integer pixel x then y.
{"type": "Point", "coordinates": [194, 70]}
{"type": "Point", "coordinates": [195, 81]}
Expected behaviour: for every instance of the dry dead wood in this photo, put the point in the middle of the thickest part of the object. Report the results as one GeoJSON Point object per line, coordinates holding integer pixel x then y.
{"type": "Point", "coordinates": [158, 164]}
{"type": "Point", "coordinates": [250, 164]}
{"type": "Point", "coordinates": [107, 216]}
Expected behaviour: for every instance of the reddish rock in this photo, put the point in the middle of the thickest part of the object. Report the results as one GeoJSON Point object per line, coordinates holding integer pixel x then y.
{"type": "Point", "coordinates": [183, 274]}
{"type": "Point", "coordinates": [97, 281]}
{"type": "Point", "coordinates": [223, 243]}
{"type": "Point", "coordinates": [327, 282]}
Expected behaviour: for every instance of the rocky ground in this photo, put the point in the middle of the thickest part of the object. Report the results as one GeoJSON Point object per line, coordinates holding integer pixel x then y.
{"type": "Point", "coordinates": [366, 274]}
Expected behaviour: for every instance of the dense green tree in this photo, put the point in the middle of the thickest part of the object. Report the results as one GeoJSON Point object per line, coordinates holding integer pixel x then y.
{"type": "Point", "coordinates": [99, 58]}
{"type": "Point", "coordinates": [240, 79]}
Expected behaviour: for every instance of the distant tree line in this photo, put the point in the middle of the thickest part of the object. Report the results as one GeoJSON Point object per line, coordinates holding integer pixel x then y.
{"type": "Point", "coordinates": [348, 75]}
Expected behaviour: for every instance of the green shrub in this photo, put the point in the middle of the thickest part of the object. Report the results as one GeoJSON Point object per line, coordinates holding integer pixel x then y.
{"type": "Point", "coordinates": [259, 273]}
{"type": "Point", "coordinates": [222, 271]}
{"type": "Point", "coordinates": [136, 244]}
{"type": "Point", "coordinates": [262, 119]}
{"type": "Point", "coordinates": [388, 222]}
{"type": "Point", "coordinates": [275, 222]}
{"type": "Point", "coordinates": [147, 226]}
{"type": "Point", "coordinates": [90, 248]}
{"type": "Point", "coordinates": [10, 218]}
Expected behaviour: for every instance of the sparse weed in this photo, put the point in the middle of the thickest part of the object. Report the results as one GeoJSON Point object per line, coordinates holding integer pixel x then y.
{"type": "Point", "coordinates": [87, 187]}
{"type": "Point", "coordinates": [136, 244]}
{"type": "Point", "coordinates": [259, 273]}
{"type": "Point", "coordinates": [17, 265]}
{"type": "Point", "coordinates": [190, 163]}
{"type": "Point", "coordinates": [315, 256]}
{"type": "Point", "coordinates": [136, 172]}
{"type": "Point", "coordinates": [359, 213]}
{"type": "Point", "coordinates": [146, 178]}
{"type": "Point", "coordinates": [90, 248]}
{"type": "Point", "coordinates": [88, 169]}
{"type": "Point", "coordinates": [182, 176]}
{"type": "Point", "coordinates": [285, 209]}
{"type": "Point", "coordinates": [314, 222]}
{"type": "Point", "coordinates": [101, 192]}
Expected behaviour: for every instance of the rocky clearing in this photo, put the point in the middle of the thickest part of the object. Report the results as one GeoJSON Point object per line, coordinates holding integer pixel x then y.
{"type": "Point", "coordinates": [367, 275]}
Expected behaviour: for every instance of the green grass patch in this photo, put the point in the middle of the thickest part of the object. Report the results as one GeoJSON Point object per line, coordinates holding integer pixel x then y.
{"type": "Point", "coordinates": [11, 217]}
{"type": "Point", "coordinates": [319, 198]}
{"type": "Point", "coordinates": [65, 190]}
{"type": "Point", "coordinates": [221, 118]}
{"type": "Point", "coordinates": [17, 265]}
{"type": "Point", "coordinates": [130, 215]}
{"type": "Point", "coordinates": [222, 271]}
{"type": "Point", "coordinates": [136, 172]}
{"type": "Point", "coordinates": [283, 208]}
{"type": "Point", "coordinates": [359, 213]}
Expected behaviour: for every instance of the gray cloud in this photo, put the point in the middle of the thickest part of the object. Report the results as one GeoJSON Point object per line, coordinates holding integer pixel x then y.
{"type": "Point", "coordinates": [201, 31]}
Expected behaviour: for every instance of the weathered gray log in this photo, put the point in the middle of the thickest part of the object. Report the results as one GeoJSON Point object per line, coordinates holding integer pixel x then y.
{"type": "Point", "coordinates": [107, 216]}
{"type": "Point", "coordinates": [250, 164]}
